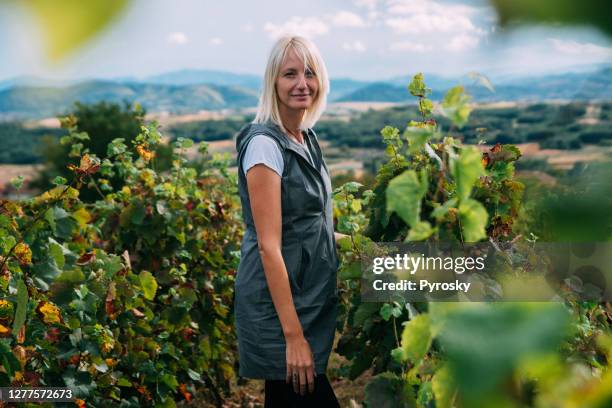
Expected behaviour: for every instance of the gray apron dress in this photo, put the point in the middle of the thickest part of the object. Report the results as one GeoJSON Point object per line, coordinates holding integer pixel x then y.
{"type": "Point", "coordinates": [309, 252]}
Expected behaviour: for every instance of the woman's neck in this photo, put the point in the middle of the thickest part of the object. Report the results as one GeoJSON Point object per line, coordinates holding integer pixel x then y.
{"type": "Point", "coordinates": [292, 120]}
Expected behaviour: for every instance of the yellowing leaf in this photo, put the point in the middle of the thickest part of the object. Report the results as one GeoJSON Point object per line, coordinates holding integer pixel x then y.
{"type": "Point", "coordinates": [148, 177]}
{"type": "Point", "coordinates": [148, 284]}
{"type": "Point", "coordinates": [55, 193]}
{"type": "Point", "coordinates": [49, 313]}
{"type": "Point", "coordinates": [4, 331]}
{"type": "Point", "coordinates": [23, 253]}
{"type": "Point", "coordinates": [82, 216]}
{"type": "Point", "coordinates": [68, 24]}
{"type": "Point", "coordinates": [144, 153]}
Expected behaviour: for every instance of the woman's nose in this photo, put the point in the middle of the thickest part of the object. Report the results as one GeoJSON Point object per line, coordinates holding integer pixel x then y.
{"type": "Point", "coordinates": [301, 81]}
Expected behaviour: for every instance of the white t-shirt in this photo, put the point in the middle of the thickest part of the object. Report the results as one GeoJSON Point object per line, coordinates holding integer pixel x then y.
{"type": "Point", "coordinates": [262, 149]}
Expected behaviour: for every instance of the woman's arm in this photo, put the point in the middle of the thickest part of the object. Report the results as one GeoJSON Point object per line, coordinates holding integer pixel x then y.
{"type": "Point", "coordinates": [264, 193]}
{"type": "Point", "coordinates": [264, 186]}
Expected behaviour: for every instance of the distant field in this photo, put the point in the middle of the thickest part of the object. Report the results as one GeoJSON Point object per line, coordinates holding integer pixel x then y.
{"type": "Point", "coordinates": [551, 135]}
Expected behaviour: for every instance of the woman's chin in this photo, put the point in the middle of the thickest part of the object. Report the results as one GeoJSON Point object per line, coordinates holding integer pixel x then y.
{"type": "Point", "coordinates": [301, 105]}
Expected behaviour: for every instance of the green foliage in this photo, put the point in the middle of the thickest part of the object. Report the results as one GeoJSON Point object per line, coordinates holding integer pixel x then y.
{"type": "Point", "coordinates": [91, 129]}
{"type": "Point", "coordinates": [125, 300]}
{"type": "Point", "coordinates": [592, 12]}
{"type": "Point", "coordinates": [451, 354]}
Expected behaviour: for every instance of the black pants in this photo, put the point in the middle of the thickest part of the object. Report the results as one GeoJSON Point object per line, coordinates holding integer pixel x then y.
{"type": "Point", "coordinates": [279, 394]}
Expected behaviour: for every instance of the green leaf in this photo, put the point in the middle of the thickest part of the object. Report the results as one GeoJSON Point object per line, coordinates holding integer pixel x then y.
{"type": "Point", "coordinates": [17, 182]}
{"type": "Point", "coordinates": [416, 338]}
{"type": "Point", "coordinates": [389, 133]}
{"type": "Point", "coordinates": [474, 219]}
{"type": "Point", "coordinates": [58, 181]}
{"type": "Point", "coordinates": [124, 382]}
{"type": "Point", "coordinates": [439, 212]}
{"type": "Point", "coordinates": [417, 86]}
{"type": "Point", "coordinates": [425, 107]}
{"type": "Point", "coordinates": [398, 355]}
{"type": "Point", "coordinates": [422, 230]}
{"type": "Point", "coordinates": [148, 284]}
{"type": "Point", "coordinates": [443, 386]}
{"type": "Point", "coordinates": [350, 271]}
{"type": "Point", "coordinates": [365, 311]}
{"type": "Point", "coordinates": [194, 375]}
{"type": "Point", "coordinates": [170, 381]}
{"type": "Point", "coordinates": [466, 169]}
{"type": "Point", "coordinates": [385, 311]}
{"type": "Point", "coordinates": [455, 106]}
{"type": "Point", "coordinates": [486, 342]}
{"type": "Point", "coordinates": [387, 390]}
{"type": "Point", "coordinates": [66, 25]}
{"type": "Point", "coordinates": [404, 195]}
{"type": "Point", "coordinates": [352, 186]}
{"type": "Point", "coordinates": [56, 252]}
{"type": "Point", "coordinates": [417, 137]}
{"type": "Point", "coordinates": [137, 213]}
{"type": "Point", "coordinates": [50, 219]}
{"type": "Point", "coordinates": [22, 306]}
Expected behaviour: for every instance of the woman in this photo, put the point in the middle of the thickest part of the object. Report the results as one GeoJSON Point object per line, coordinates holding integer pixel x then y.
{"type": "Point", "coordinates": [286, 292]}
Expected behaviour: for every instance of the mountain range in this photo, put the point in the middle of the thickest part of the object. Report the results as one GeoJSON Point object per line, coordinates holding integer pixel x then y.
{"type": "Point", "coordinates": [189, 91]}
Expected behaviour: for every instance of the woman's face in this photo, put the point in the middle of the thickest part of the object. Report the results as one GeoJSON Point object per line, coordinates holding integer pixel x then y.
{"type": "Point", "coordinates": [296, 85]}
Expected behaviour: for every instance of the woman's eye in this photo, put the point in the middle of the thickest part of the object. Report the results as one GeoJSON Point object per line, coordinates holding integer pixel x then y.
{"type": "Point", "coordinates": [309, 74]}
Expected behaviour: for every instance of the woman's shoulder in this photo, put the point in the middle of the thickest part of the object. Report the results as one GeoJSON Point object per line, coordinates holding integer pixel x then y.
{"type": "Point", "coordinates": [252, 130]}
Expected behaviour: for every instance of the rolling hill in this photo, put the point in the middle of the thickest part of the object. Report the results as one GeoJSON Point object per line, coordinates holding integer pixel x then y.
{"type": "Point", "coordinates": [190, 91]}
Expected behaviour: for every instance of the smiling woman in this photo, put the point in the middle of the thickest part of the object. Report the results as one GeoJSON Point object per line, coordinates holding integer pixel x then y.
{"type": "Point", "coordinates": [286, 293]}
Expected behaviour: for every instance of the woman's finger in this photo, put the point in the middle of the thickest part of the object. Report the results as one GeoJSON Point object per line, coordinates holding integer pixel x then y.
{"type": "Point", "coordinates": [310, 378]}
{"type": "Point", "coordinates": [303, 381]}
{"type": "Point", "coordinates": [296, 382]}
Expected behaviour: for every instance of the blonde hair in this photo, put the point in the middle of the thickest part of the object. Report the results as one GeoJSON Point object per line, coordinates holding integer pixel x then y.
{"type": "Point", "coordinates": [267, 109]}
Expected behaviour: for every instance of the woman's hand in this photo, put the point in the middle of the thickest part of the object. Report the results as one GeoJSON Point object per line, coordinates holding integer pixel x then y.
{"type": "Point", "coordinates": [338, 236]}
{"type": "Point", "coordinates": [300, 364]}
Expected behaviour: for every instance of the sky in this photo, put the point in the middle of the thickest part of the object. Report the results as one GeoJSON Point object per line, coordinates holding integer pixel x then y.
{"type": "Point", "coordinates": [360, 39]}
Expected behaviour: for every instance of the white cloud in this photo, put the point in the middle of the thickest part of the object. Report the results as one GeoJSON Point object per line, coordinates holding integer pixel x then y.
{"type": "Point", "coordinates": [177, 38]}
{"type": "Point", "coordinates": [247, 28]}
{"type": "Point", "coordinates": [463, 42]}
{"type": "Point", "coordinates": [215, 41]}
{"type": "Point", "coordinates": [369, 4]}
{"type": "Point", "coordinates": [347, 19]}
{"type": "Point", "coordinates": [572, 47]}
{"type": "Point", "coordinates": [410, 46]}
{"type": "Point", "coordinates": [431, 23]}
{"type": "Point", "coordinates": [411, 7]}
{"type": "Point", "coordinates": [306, 26]}
{"type": "Point", "coordinates": [355, 46]}
{"type": "Point", "coordinates": [426, 16]}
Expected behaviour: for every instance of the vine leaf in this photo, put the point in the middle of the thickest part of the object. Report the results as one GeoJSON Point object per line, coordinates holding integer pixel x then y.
{"type": "Point", "coordinates": [22, 306]}
{"type": "Point", "coordinates": [148, 284]}
{"type": "Point", "coordinates": [466, 169]}
{"type": "Point", "coordinates": [443, 386]}
{"type": "Point", "coordinates": [474, 219]}
{"type": "Point", "coordinates": [404, 196]}
{"type": "Point", "coordinates": [422, 230]}
{"type": "Point", "coordinates": [455, 106]}
{"type": "Point", "coordinates": [416, 338]}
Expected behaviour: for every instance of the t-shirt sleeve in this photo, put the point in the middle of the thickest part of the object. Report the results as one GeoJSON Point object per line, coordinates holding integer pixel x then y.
{"type": "Point", "coordinates": [262, 149]}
